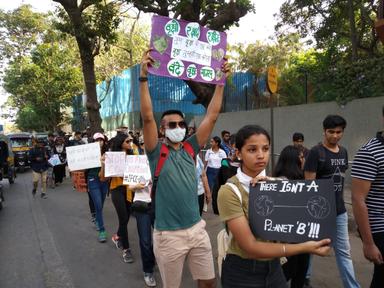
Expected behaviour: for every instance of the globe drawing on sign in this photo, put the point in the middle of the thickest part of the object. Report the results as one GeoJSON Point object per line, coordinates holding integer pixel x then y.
{"type": "Point", "coordinates": [318, 207]}
{"type": "Point", "coordinates": [264, 205]}
{"type": "Point", "coordinates": [142, 180]}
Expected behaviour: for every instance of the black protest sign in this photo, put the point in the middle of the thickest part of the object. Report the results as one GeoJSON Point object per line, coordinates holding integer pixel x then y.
{"type": "Point", "coordinates": [293, 211]}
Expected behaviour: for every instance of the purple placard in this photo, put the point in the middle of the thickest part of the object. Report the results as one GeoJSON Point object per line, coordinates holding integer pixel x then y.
{"type": "Point", "coordinates": [187, 51]}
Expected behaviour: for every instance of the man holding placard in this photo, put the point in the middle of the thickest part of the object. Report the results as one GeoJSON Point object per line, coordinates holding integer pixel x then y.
{"type": "Point", "coordinates": [179, 230]}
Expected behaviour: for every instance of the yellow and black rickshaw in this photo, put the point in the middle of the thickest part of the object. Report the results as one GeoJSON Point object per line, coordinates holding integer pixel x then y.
{"type": "Point", "coordinates": [21, 144]}
{"type": "Point", "coordinates": [7, 164]}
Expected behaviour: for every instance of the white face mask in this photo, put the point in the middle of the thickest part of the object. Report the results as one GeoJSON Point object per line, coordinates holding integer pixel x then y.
{"type": "Point", "coordinates": [175, 135]}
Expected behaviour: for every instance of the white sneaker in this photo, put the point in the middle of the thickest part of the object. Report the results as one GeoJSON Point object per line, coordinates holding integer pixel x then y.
{"type": "Point", "coordinates": [149, 280]}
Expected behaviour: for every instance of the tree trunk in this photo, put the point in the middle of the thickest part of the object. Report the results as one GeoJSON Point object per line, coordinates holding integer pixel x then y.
{"type": "Point", "coordinates": [353, 33]}
{"type": "Point", "coordinates": [92, 105]}
{"type": "Point", "coordinates": [87, 53]}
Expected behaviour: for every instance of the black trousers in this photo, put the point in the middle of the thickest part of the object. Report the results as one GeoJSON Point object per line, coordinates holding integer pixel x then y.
{"type": "Point", "coordinates": [247, 273]}
{"type": "Point", "coordinates": [378, 272]}
{"type": "Point", "coordinates": [123, 210]}
{"type": "Point", "coordinates": [296, 270]}
{"type": "Point", "coordinates": [59, 172]}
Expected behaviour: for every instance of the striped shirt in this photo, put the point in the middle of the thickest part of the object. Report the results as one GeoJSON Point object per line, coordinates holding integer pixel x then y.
{"type": "Point", "coordinates": [369, 165]}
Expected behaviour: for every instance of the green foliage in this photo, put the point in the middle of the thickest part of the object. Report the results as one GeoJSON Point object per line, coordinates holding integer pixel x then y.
{"type": "Point", "coordinates": [345, 29]}
{"type": "Point", "coordinates": [219, 14]}
{"type": "Point", "coordinates": [20, 31]}
{"type": "Point", "coordinates": [42, 73]}
{"type": "Point", "coordinates": [328, 81]}
{"type": "Point", "coordinates": [94, 25]}
{"type": "Point", "coordinates": [42, 85]}
{"type": "Point", "coordinates": [255, 58]}
{"type": "Point", "coordinates": [124, 53]}
{"type": "Point", "coordinates": [346, 61]}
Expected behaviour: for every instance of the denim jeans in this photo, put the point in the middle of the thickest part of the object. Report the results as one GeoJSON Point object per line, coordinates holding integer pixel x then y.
{"type": "Point", "coordinates": [98, 191]}
{"type": "Point", "coordinates": [211, 175]}
{"type": "Point", "coordinates": [343, 252]}
{"type": "Point", "coordinates": [144, 223]}
{"type": "Point", "coordinates": [248, 273]}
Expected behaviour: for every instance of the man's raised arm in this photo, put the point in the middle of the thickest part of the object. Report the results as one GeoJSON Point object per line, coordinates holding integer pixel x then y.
{"type": "Point", "coordinates": [213, 110]}
{"type": "Point", "coordinates": [149, 123]}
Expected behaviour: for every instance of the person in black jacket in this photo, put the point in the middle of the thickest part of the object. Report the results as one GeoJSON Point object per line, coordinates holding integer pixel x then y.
{"type": "Point", "coordinates": [39, 163]}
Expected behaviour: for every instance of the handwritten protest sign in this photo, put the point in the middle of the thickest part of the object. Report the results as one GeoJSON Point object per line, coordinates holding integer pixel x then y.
{"type": "Point", "coordinates": [54, 160]}
{"type": "Point", "coordinates": [136, 170]}
{"type": "Point", "coordinates": [79, 181]}
{"type": "Point", "coordinates": [187, 51]}
{"type": "Point", "coordinates": [114, 164]}
{"type": "Point", "coordinates": [293, 211]}
{"type": "Point", "coordinates": [82, 157]}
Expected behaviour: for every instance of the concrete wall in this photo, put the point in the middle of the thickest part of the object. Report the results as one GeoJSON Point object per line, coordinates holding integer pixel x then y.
{"type": "Point", "coordinates": [363, 116]}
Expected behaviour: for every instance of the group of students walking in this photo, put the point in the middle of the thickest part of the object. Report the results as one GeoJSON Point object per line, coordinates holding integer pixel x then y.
{"type": "Point", "coordinates": [179, 233]}
{"type": "Point", "coordinates": [172, 232]}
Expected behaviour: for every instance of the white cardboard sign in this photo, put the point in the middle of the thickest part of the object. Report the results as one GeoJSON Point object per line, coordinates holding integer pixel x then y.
{"type": "Point", "coordinates": [114, 164]}
{"type": "Point", "coordinates": [82, 157]}
{"type": "Point", "coordinates": [136, 170]}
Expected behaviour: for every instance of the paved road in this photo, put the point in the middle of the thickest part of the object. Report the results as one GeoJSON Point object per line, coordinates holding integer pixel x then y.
{"type": "Point", "coordinates": [52, 243]}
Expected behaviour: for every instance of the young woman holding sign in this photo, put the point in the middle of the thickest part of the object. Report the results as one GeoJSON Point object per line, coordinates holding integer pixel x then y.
{"type": "Point", "coordinates": [122, 198]}
{"type": "Point", "coordinates": [250, 261]}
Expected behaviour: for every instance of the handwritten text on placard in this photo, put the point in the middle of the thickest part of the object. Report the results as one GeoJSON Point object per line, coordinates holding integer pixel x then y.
{"type": "Point", "coordinates": [82, 157]}
{"type": "Point", "coordinates": [114, 164]}
{"type": "Point", "coordinates": [293, 211]}
{"type": "Point", "coordinates": [137, 170]}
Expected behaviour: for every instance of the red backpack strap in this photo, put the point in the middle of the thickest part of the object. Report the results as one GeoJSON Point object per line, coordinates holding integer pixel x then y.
{"type": "Point", "coordinates": [164, 152]}
{"type": "Point", "coordinates": [188, 147]}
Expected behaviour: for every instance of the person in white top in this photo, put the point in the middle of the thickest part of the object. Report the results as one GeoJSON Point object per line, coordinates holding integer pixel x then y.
{"type": "Point", "coordinates": [203, 191]}
{"type": "Point", "coordinates": [213, 159]}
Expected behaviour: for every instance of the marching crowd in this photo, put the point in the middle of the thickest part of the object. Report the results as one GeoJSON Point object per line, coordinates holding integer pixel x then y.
{"type": "Point", "coordinates": [168, 211]}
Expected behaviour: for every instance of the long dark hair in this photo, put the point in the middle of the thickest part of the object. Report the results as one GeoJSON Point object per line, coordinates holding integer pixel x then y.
{"type": "Point", "coordinates": [118, 141]}
{"type": "Point", "coordinates": [289, 164]}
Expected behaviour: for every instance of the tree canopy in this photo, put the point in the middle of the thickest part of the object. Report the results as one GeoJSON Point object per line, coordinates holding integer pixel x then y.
{"type": "Point", "coordinates": [41, 78]}
{"type": "Point", "coordinates": [93, 24]}
{"type": "Point", "coordinates": [22, 31]}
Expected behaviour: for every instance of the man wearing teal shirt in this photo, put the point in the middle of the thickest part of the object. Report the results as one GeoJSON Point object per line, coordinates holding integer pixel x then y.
{"type": "Point", "coordinates": [179, 230]}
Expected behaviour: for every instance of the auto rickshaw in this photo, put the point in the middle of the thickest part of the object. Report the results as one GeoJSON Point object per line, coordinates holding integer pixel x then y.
{"type": "Point", "coordinates": [7, 167]}
{"type": "Point", "coordinates": [21, 144]}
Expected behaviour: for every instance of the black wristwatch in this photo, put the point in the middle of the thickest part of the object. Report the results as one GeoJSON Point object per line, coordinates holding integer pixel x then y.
{"type": "Point", "coordinates": [143, 79]}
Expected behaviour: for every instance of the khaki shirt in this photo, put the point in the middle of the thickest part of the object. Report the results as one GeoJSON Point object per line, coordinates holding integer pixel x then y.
{"type": "Point", "coordinates": [230, 207]}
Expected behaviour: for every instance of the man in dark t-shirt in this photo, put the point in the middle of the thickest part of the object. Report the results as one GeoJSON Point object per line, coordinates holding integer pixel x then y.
{"type": "Point", "coordinates": [329, 160]}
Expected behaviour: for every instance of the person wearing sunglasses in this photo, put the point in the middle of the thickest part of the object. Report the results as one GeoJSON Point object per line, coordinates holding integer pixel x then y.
{"type": "Point", "coordinates": [179, 232]}
{"type": "Point", "coordinates": [121, 196]}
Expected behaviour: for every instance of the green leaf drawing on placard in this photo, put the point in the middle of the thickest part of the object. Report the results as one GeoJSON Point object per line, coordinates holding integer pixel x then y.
{"type": "Point", "coordinates": [219, 74]}
{"type": "Point", "coordinates": [218, 54]}
{"type": "Point", "coordinates": [160, 43]}
{"type": "Point", "coordinates": [156, 64]}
